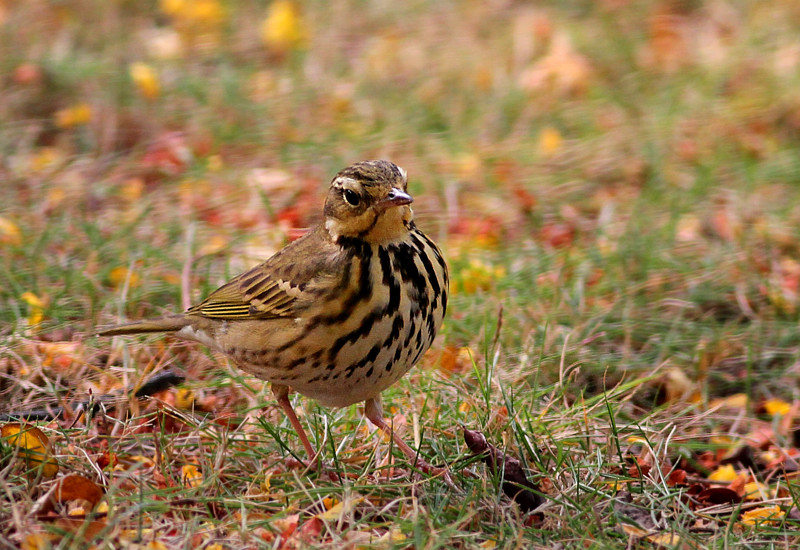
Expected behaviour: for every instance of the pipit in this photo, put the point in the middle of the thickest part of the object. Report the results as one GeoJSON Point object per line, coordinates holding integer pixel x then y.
{"type": "Point", "coordinates": [338, 315]}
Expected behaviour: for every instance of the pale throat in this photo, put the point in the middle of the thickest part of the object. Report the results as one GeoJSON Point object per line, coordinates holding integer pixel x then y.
{"type": "Point", "coordinates": [391, 226]}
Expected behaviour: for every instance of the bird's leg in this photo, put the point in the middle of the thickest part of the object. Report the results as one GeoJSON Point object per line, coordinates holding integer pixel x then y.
{"type": "Point", "coordinates": [374, 412]}
{"type": "Point", "coordinates": [282, 395]}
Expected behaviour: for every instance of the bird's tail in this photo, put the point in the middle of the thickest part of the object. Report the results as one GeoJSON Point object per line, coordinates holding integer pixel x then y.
{"type": "Point", "coordinates": [164, 324]}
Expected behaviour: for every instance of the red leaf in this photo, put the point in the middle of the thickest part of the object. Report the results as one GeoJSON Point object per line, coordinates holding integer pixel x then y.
{"type": "Point", "coordinates": [677, 477]}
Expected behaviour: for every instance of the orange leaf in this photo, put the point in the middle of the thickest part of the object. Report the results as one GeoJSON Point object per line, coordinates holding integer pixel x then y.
{"type": "Point", "coordinates": [9, 232]}
{"type": "Point", "coordinates": [73, 487]}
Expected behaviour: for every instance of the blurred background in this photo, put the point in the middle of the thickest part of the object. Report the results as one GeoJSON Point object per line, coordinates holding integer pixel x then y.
{"type": "Point", "coordinates": [621, 177]}
{"type": "Point", "coordinates": [615, 185]}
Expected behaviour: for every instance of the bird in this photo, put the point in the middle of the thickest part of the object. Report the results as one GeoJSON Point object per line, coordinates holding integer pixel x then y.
{"type": "Point", "coordinates": [338, 315]}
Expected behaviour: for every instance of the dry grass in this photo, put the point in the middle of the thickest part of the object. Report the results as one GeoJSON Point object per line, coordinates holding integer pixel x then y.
{"type": "Point", "coordinates": [619, 179]}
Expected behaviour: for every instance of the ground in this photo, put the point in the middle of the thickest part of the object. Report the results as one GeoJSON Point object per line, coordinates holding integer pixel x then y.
{"type": "Point", "coordinates": [614, 185]}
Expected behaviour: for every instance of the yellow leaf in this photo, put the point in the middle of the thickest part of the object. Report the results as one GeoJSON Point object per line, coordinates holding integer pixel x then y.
{"type": "Point", "coordinates": [75, 115]}
{"type": "Point", "coordinates": [491, 543]}
{"type": "Point", "coordinates": [145, 79]}
{"type": "Point", "coordinates": [756, 491]}
{"type": "Point", "coordinates": [722, 440]}
{"type": "Point", "coordinates": [119, 275]}
{"type": "Point", "coordinates": [768, 514]}
{"type": "Point", "coordinates": [550, 141]}
{"type": "Point", "coordinates": [191, 476]}
{"type": "Point", "coordinates": [266, 484]}
{"type": "Point", "coordinates": [777, 407]}
{"type": "Point", "coordinates": [736, 401]}
{"type": "Point", "coordinates": [33, 446]}
{"type": "Point", "coordinates": [32, 299]}
{"type": "Point", "coordinates": [665, 540]}
{"type": "Point", "coordinates": [284, 28]}
{"type": "Point", "coordinates": [723, 473]}
{"type": "Point", "coordinates": [184, 398]}
{"type": "Point", "coordinates": [45, 158]}
{"type": "Point", "coordinates": [338, 510]}
{"type": "Point", "coordinates": [9, 232]}
{"type": "Point", "coordinates": [36, 306]}
{"type": "Point", "coordinates": [173, 7]}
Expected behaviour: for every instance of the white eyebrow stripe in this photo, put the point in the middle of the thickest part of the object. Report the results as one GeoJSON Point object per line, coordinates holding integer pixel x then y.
{"type": "Point", "coordinates": [342, 180]}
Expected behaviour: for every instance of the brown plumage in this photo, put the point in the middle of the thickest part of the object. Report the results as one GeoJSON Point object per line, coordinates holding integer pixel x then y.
{"type": "Point", "coordinates": [338, 315]}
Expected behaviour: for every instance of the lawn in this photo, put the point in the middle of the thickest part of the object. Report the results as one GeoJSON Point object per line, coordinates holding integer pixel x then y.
{"type": "Point", "coordinates": [615, 186]}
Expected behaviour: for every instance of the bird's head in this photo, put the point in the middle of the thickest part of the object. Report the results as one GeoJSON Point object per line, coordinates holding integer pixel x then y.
{"type": "Point", "coordinates": [368, 200]}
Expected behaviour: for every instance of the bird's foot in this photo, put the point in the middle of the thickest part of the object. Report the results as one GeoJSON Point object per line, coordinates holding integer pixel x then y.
{"type": "Point", "coordinates": [435, 471]}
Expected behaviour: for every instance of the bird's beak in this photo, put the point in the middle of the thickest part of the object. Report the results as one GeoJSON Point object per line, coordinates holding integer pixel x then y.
{"type": "Point", "coordinates": [395, 198]}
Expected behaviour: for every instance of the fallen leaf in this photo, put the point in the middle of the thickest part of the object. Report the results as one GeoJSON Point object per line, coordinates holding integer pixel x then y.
{"type": "Point", "coordinates": [777, 407]}
{"type": "Point", "coordinates": [677, 477]}
{"type": "Point", "coordinates": [120, 276]}
{"type": "Point", "coordinates": [737, 401]}
{"type": "Point", "coordinates": [37, 305]}
{"type": "Point", "coordinates": [33, 445]}
{"type": "Point", "coordinates": [455, 360]}
{"type": "Point", "coordinates": [718, 495]}
{"type": "Point", "coordinates": [760, 516]}
{"type": "Point", "coordinates": [756, 490]}
{"type": "Point", "coordinates": [284, 28]}
{"type": "Point", "coordinates": [191, 475]}
{"type": "Point", "coordinates": [664, 540]}
{"type": "Point", "coordinates": [9, 232]}
{"type": "Point", "coordinates": [516, 484]}
{"type": "Point", "coordinates": [75, 115]}
{"type": "Point", "coordinates": [72, 487]}
{"type": "Point", "coordinates": [145, 79]}
{"type": "Point", "coordinates": [550, 141]}
{"type": "Point", "coordinates": [336, 511]}
{"type": "Point", "coordinates": [725, 472]}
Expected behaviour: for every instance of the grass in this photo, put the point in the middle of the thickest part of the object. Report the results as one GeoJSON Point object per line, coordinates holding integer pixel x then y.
{"type": "Point", "coordinates": [615, 189]}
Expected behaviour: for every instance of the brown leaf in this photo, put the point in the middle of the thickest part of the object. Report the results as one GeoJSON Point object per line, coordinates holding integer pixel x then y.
{"type": "Point", "coordinates": [69, 488]}
{"type": "Point", "coordinates": [516, 485]}
{"type": "Point", "coordinates": [676, 477]}
{"type": "Point", "coordinates": [718, 495]}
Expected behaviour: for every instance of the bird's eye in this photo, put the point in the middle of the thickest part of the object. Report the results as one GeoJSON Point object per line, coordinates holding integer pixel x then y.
{"type": "Point", "coordinates": [351, 197]}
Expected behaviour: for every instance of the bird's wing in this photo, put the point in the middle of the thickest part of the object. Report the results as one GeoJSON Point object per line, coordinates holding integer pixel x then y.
{"type": "Point", "coordinates": [274, 288]}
